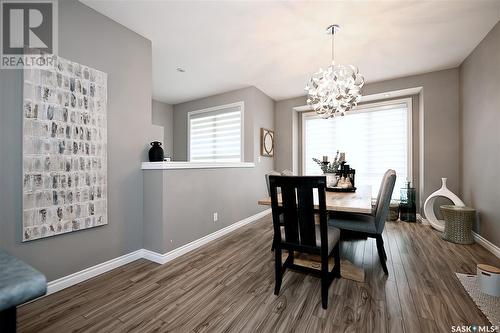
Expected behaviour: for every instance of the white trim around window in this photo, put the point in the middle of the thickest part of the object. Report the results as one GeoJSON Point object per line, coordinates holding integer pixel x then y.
{"type": "Point", "coordinates": [238, 105]}
{"type": "Point", "coordinates": [368, 107]}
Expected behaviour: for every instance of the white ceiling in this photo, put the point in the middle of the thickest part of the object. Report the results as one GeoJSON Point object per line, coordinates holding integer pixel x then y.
{"type": "Point", "coordinates": [275, 46]}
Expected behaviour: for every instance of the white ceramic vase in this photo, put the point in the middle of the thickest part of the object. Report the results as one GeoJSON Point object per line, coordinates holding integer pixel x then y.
{"type": "Point", "coordinates": [331, 179]}
{"type": "Point", "coordinates": [429, 205]}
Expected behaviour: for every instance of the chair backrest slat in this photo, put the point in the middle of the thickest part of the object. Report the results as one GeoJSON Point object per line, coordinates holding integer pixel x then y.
{"type": "Point", "coordinates": [306, 216]}
{"type": "Point", "coordinates": [288, 197]}
{"type": "Point", "coordinates": [297, 197]}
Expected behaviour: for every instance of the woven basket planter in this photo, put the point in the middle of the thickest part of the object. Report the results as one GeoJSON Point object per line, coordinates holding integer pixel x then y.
{"type": "Point", "coordinates": [393, 211]}
{"type": "Point", "coordinates": [458, 224]}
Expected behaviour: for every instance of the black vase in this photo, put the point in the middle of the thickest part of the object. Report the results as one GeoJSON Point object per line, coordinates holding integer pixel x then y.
{"type": "Point", "coordinates": [156, 153]}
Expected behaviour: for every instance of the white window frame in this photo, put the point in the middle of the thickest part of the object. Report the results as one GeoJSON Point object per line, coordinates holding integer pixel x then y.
{"type": "Point", "coordinates": [370, 107]}
{"type": "Point", "coordinates": [241, 104]}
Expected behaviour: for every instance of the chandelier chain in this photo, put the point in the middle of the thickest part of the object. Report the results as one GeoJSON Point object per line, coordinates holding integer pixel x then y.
{"type": "Point", "coordinates": [333, 48]}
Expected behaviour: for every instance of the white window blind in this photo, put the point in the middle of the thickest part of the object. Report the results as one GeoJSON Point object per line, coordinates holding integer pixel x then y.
{"type": "Point", "coordinates": [215, 134]}
{"type": "Point", "coordinates": [374, 139]}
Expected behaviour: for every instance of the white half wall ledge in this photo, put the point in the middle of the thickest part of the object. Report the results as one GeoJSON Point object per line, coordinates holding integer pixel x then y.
{"type": "Point", "coordinates": [81, 276]}
{"type": "Point", "coordinates": [194, 165]}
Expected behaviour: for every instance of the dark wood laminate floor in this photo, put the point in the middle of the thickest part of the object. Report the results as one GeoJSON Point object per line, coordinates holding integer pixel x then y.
{"type": "Point", "coordinates": [227, 286]}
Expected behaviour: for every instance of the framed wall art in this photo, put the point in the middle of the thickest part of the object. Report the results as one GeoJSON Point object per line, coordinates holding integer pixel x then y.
{"type": "Point", "coordinates": [64, 149]}
{"type": "Point", "coordinates": [266, 142]}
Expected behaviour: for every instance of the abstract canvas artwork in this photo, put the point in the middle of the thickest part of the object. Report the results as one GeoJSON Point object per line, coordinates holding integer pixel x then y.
{"type": "Point", "coordinates": [64, 149]}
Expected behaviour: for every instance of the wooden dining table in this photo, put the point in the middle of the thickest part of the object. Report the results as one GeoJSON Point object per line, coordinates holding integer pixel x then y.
{"type": "Point", "coordinates": [351, 202]}
{"type": "Point", "coordinates": [359, 201]}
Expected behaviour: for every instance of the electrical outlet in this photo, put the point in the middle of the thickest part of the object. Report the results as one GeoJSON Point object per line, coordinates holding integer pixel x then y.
{"type": "Point", "coordinates": [216, 217]}
{"type": "Point", "coordinates": [258, 159]}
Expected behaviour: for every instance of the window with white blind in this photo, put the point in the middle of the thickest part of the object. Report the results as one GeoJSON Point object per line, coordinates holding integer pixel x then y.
{"type": "Point", "coordinates": [375, 137]}
{"type": "Point", "coordinates": [216, 134]}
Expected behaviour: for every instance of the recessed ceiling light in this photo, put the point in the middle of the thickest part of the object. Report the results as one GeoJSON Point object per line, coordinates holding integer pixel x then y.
{"type": "Point", "coordinates": [387, 95]}
{"type": "Point", "coordinates": [180, 69]}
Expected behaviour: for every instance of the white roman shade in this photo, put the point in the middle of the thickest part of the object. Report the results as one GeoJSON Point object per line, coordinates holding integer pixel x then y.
{"type": "Point", "coordinates": [374, 138]}
{"type": "Point", "coordinates": [215, 134]}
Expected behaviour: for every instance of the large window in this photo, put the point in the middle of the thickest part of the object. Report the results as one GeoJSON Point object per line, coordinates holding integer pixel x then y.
{"type": "Point", "coordinates": [216, 134]}
{"type": "Point", "coordinates": [374, 137]}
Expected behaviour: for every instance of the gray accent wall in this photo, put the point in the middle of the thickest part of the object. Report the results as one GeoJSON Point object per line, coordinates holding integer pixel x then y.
{"type": "Point", "coordinates": [480, 129]}
{"type": "Point", "coordinates": [179, 204]}
{"type": "Point", "coordinates": [163, 116]}
{"type": "Point", "coordinates": [287, 136]}
{"type": "Point", "coordinates": [89, 38]}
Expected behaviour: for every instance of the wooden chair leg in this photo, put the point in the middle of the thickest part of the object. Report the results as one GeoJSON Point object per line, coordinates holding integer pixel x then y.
{"type": "Point", "coordinates": [278, 270]}
{"type": "Point", "coordinates": [336, 258]}
{"type": "Point", "coordinates": [381, 251]}
{"type": "Point", "coordinates": [325, 281]}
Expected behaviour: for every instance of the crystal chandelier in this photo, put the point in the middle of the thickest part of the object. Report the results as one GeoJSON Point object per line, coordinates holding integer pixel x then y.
{"type": "Point", "coordinates": [337, 89]}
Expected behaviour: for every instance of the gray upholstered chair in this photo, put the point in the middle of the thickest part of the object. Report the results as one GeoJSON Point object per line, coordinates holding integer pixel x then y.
{"type": "Point", "coordinates": [272, 173]}
{"type": "Point", "coordinates": [285, 172]}
{"type": "Point", "coordinates": [371, 225]}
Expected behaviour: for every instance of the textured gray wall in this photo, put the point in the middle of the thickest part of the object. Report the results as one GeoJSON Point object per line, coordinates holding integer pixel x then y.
{"type": "Point", "coordinates": [163, 115]}
{"type": "Point", "coordinates": [480, 129]}
{"type": "Point", "coordinates": [90, 38]}
{"type": "Point", "coordinates": [180, 203]}
{"type": "Point", "coordinates": [439, 102]}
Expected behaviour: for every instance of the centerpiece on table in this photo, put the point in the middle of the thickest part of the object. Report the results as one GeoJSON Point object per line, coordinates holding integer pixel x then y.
{"type": "Point", "coordinates": [339, 176]}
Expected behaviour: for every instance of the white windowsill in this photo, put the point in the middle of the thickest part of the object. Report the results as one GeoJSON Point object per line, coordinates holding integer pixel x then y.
{"type": "Point", "coordinates": [194, 165]}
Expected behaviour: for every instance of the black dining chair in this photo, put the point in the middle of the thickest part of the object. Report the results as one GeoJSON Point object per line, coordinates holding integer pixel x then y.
{"type": "Point", "coordinates": [370, 225]}
{"type": "Point", "coordinates": [299, 231]}
{"type": "Point", "coordinates": [268, 184]}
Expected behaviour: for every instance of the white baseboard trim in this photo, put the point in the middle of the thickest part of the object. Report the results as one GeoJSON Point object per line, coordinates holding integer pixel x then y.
{"type": "Point", "coordinates": [421, 219]}
{"type": "Point", "coordinates": [486, 244]}
{"type": "Point", "coordinates": [75, 278]}
{"type": "Point", "coordinates": [166, 257]}
{"type": "Point", "coordinates": [478, 238]}
{"type": "Point", "coordinates": [72, 279]}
